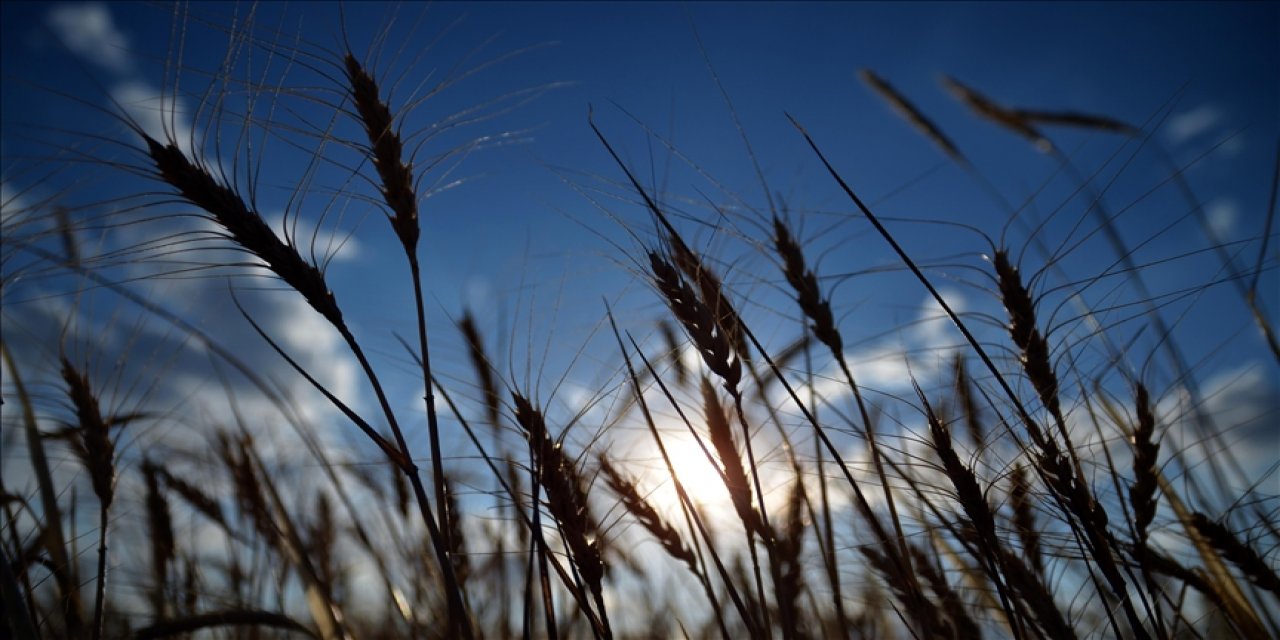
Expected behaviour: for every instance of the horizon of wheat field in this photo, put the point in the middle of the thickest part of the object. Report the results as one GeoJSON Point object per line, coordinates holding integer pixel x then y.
{"type": "Point", "coordinates": [596, 320]}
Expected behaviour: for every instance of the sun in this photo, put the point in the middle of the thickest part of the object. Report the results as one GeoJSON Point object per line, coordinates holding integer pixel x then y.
{"type": "Point", "coordinates": [699, 476]}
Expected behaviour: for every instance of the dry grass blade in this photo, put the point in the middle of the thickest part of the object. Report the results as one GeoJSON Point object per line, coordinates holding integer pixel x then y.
{"type": "Point", "coordinates": [18, 618]}
{"type": "Point", "coordinates": [51, 535]}
{"type": "Point", "coordinates": [230, 618]}
{"type": "Point", "coordinates": [325, 612]}
{"type": "Point", "coordinates": [913, 115]}
{"type": "Point", "coordinates": [67, 233]}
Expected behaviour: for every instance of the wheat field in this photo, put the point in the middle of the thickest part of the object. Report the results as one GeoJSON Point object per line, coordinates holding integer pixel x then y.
{"type": "Point", "coordinates": [1014, 375]}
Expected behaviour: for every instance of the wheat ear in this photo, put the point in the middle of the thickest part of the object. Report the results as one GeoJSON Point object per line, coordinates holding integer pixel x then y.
{"type": "Point", "coordinates": [93, 445]}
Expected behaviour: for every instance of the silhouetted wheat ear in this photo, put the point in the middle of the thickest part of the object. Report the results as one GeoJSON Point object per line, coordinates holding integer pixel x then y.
{"type": "Point", "coordinates": [698, 322]}
{"type": "Point", "coordinates": [247, 488]}
{"type": "Point", "coordinates": [1062, 476]}
{"type": "Point", "coordinates": [968, 403]}
{"type": "Point", "coordinates": [566, 494]}
{"type": "Point", "coordinates": [1240, 554]}
{"type": "Point", "coordinates": [909, 111]}
{"type": "Point", "coordinates": [1022, 328]}
{"type": "Point", "coordinates": [924, 613]}
{"type": "Point", "coordinates": [1005, 117]}
{"type": "Point", "coordinates": [1024, 518]}
{"type": "Point", "coordinates": [1077, 119]}
{"type": "Point", "coordinates": [195, 498]}
{"type": "Point", "coordinates": [968, 492]}
{"type": "Point", "coordinates": [91, 435]}
{"type": "Point", "coordinates": [245, 226]}
{"type": "Point", "coordinates": [1032, 591]}
{"type": "Point", "coordinates": [735, 474]}
{"type": "Point", "coordinates": [646, 515]}
{"type": "Point", "coordinates": [805, 284]}
{"type": "Point", "coordinates": [458, 550]}
{"type": "Point", "coordinates": [321, 544]}
{"type": "Point", "coordinates": [1142, 495]}
{"type": "Point", "coordinates": [1194, 578]}
{"type": "Point", "coordinates": [789, 583]}
{"type": "Point", "coordinates": [160, 532]}
{"type": "Point", "coordinates": [481, 365]}
{"type": "Point", "coordinates": [713, 295]}
{"type": "Point", "coordinates": [961, 622]}
{"type": "Point", "coordinates": [388, 153]}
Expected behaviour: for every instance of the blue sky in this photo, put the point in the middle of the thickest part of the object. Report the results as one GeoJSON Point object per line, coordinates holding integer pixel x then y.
{"type": "Point", "coordinates": [529, 240]}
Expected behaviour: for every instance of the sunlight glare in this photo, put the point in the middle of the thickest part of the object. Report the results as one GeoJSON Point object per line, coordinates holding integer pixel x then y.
{"type": "Point", "coordinates": [701, 479]}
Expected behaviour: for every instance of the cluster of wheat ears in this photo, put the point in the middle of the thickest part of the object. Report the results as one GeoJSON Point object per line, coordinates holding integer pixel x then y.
{"type": "Point", "coordinates": [1022, 495]}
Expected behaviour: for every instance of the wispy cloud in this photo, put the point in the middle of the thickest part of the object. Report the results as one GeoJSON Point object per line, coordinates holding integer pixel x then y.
{"type": "Point", "coordinates": [158, 115]}
{"type": "Point", "coordinates": [1223, 215]}
{"type": "Point", "coordinates": [325, 243]}
{"type": "Point", "coordinates": [1189, 124]}
{"type": "Point", "coordinates": [1243, 403]}
{"type": "Point", "coordinates": [88, 31]}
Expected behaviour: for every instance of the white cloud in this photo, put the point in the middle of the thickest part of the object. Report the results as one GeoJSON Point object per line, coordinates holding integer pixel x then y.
{"type": "Point", "coordinates": [88, 31]}
{"type": "Point", "coordinates": [1223, 215]}
{"type": "Point", "coordinates": [11, 204]}
{"type": "Point", "coordinates": [160, 116]}
{"type": "Point", "coordinates": [328, 244]}
{"type": "Point", "coordinates": [923, 353]}
{"type": "Point", "coordinates": [883, 367]}
{"type": "Point", "coordinates": [1243, 404]}
{"type": "Point", "coordinates": [1187, 125]}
